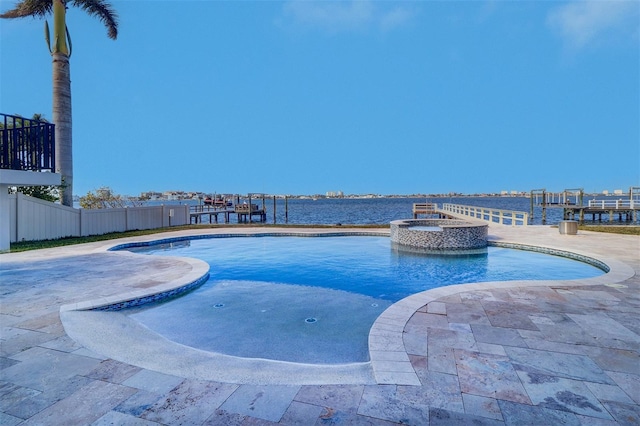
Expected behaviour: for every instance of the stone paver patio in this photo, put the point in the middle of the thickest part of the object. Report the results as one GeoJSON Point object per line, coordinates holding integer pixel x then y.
{"type": "Point", "coordinates": [514, 353]}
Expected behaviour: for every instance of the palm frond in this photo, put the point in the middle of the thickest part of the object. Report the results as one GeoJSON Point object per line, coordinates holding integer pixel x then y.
{"type": "Point", "coordinates": [103, 11]}
{"type": "Point", "coordinates": [24, 8]}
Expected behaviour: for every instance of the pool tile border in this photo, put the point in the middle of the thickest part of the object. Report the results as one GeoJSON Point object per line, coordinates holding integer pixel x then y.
{"type": "Point", "coordinates": [248, 235]}
{"type": "Point", "coordinates": [154, 298]}
{"type": "Point", "coordinates": [555, 252]}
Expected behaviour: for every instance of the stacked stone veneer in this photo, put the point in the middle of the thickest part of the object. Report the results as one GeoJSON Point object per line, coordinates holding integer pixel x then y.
{"type": "Point", "coordinates": [452, 234]}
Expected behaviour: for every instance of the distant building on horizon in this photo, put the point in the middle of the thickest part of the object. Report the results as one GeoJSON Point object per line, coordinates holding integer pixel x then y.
{"type": "Point", "coordinates": [151, 195]}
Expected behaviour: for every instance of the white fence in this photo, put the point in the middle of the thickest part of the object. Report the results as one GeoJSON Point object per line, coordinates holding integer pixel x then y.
{"type": "Point", "coordinates": [614, 204]}
{"type": "Point", "coordinates": [503, 217]}
{"type": "Point", "coordinates": [33, 219]}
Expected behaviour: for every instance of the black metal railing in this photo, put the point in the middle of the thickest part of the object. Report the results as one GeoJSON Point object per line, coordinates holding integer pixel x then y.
{"type": "Point", "coordinates": [26, 144]}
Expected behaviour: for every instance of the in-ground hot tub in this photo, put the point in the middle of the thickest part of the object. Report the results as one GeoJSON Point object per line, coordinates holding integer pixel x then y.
{"type": "Point", "coordinates": [438, 235]}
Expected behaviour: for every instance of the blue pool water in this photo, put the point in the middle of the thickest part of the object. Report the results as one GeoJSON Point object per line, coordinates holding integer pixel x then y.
{"type": "Point", "coordinates": [314, 300]}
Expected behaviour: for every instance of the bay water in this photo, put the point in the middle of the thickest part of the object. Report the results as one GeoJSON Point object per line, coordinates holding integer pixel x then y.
{"type": "Point", "coordinates": [381, 211]}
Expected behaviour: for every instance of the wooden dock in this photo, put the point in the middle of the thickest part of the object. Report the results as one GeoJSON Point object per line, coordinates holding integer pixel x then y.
{"type": "Point", "coordinates": [572, 202]}
{"type": "Point", "coordinates": [426, 209]}
{"type": "Point", "coordinates": [247, 211]}
{"type": "Point", "coordinates": [243, 212]}
{"type": "Point", "coordinates": [625, 210]}
{"type": "Point", "coordinates": [213, 214]}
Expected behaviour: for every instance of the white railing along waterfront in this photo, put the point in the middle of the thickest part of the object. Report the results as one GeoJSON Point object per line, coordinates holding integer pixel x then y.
{"type": "Point", "coordinates": [613, 204]}
{"type": "Point", "coordinates": [503, 217]}
{"type": "Point", "coordinates": [424, 209]}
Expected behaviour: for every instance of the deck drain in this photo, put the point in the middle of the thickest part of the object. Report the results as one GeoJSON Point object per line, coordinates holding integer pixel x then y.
{"type": "Point", "coordinates": [310, 320]}
{"type": "Point", "coordinates": [218, 305]}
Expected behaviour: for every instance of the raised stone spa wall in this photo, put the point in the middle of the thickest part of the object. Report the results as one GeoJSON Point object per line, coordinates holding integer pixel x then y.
{"type": "Point", "coordinates": [454, 234]}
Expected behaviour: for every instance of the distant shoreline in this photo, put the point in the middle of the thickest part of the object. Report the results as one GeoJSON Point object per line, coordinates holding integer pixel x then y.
{"type": "Point", "coordinates": [192, 196]}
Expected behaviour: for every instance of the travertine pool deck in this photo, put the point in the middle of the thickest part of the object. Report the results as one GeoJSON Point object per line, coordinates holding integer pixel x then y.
{"type": "Point", "coordinates": [520, 353]}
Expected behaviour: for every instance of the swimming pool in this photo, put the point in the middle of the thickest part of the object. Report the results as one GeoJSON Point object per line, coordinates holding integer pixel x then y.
{"type": "Point", "coordinates": [313, 300]}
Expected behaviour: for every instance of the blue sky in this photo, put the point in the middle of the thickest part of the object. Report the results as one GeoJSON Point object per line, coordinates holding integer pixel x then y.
{"type": "Point", "coordinates": [304, 97]}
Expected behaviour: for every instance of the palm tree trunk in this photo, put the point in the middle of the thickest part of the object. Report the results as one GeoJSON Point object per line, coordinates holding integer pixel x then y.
{"type": "Point", "coordinates": [62, 120]}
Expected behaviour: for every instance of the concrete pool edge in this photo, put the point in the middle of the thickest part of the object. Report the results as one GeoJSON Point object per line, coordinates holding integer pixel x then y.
{"type": "Point", "coordinates": [198, 274]}
{"type": "Point", "coordinates": [388, 357]}
{"type": "Point", "coordinates": [119, 337]}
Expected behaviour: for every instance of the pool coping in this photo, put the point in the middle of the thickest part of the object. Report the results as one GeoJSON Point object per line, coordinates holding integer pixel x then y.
{"type": "Point", "coordinates": [389, 362]}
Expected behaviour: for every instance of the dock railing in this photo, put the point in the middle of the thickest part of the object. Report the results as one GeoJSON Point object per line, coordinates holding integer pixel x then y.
{"type": "Point", "coordinates": [424, 209]}
{"type": "Point", "coordinates": [503, 217]}
{"type": "Point", "coordinates": [613, 204]}
{"type": "Point", "coordinates": [244, 208]}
